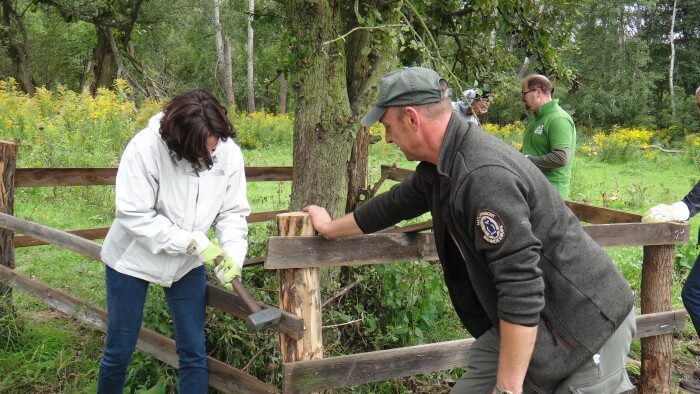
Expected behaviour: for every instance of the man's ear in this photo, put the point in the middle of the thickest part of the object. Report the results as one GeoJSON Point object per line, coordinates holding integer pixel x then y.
{"type": "Point", "coordinates": [411, 117]}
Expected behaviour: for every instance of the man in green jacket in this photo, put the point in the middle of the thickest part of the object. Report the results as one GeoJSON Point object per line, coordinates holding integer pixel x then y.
{"type": "Point", "coordinates": [549, 140]}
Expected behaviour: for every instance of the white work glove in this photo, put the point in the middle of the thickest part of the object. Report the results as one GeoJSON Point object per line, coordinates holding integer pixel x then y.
{"type": "Point", "coordinates": [676, 212]}
{"type": "Point", "coordinates": [226, 270]}
{"type": "Point", "coordinates": [206, 249]}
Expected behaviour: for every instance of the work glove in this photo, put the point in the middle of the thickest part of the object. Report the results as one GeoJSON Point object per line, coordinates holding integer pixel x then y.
{"type": "Point", "coordinates": [206, 249]}
{"type": "Point", "coordinates": [676, 212]}
{"type": "Point", "coordinates": [226, 270]}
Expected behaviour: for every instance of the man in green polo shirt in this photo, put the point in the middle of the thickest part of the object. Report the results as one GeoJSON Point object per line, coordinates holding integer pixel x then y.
{"type": "Point", "coordinates": [549, 140]}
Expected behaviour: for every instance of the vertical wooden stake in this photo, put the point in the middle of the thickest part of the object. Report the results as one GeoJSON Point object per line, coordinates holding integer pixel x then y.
{"type": "Point", "coordinates": [8, 163]}
{"type": "Point", "coordinates": [300, 294]}
{"type": "Point", "coordinates": [657, 275]}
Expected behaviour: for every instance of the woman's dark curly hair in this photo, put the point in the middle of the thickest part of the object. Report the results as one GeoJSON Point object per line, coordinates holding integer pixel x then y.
{"type": "Point", "coordinates": [189, 120]}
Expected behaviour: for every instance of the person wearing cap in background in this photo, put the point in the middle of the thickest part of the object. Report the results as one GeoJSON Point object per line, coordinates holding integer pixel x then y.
{"type": "Point", "coordinates": [475, 103]}
{"type": "Point", "coordinates": [681, 211]}
{"type": "Point", "coordinates": [549, 140]}
{"type": "Point", "coordinates": [550, 311]}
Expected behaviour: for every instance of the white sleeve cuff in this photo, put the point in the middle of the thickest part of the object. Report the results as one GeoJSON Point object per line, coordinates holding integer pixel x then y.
{"type": "Point", "coordinates": [680, 211]}
{"type": "Point", "coordinates": [199, 241]}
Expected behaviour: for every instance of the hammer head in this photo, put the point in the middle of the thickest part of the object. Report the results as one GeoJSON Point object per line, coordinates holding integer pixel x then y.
{"type": "Point", "coordinates": [258, 320]}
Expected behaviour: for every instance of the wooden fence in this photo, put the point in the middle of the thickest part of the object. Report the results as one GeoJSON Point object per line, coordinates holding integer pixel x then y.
{"type": "Point", "coordinates": [298, 256]}
{"type": "Point", "coordinates": [221, 376]}
{"type": "Point", "coordinates": [610, 228]}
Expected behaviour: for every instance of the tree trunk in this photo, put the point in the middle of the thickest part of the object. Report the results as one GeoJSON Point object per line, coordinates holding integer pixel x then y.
{"type": "Point", "coordinates": [324, 125]}
{"type": "Point", "coordinates": [283, 94]}
{"type": "Point", "coordinates": [223, 56]}
{"type": "Point", "coordinates": [16, 47]}
{"type": "Point", "coordinates": [251, 90]}
{"type": "Point", "coordinates": [228, 67]}
{"type": "Point", "coordinates": [8, 158]}
{"type": "Point", "coordinates": [357, 171]}
{"type": "Point", "coordinates": [103, 59]}
{"type": "Point", "coordinates": [524, 67]}
{"type": "Point", "coordinates": [86, 77]}
{"type": "Point", "coordinates": [672, 40]}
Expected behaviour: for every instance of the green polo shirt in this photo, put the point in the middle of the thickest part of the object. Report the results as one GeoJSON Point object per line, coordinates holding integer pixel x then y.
{"type": "Point", "coordinates": [551, 128]}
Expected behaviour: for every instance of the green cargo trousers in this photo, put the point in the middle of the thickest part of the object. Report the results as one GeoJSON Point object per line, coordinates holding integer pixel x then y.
{"type": "Point", "coordinates": [604, 373]}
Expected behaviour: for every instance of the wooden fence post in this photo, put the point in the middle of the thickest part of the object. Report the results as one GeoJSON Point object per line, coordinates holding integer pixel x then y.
{"type": "Point", "coordinates": [8, 159]}
{"type": "Point", "coordinates": [300, 294]}
{"type": "Point", "coordinates": [657, 275]}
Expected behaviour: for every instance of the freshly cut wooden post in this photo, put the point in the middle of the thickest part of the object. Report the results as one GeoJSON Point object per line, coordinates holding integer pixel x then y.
{"type": "Point", "coordinates": [8, 163]}
{"type": "Point", "coordinates": [300, 294]}
{"type": "Point", "coordinates": [657, 274]}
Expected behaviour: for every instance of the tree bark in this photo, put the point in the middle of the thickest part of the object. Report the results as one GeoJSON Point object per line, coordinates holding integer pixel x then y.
{"type": "Point", "coordinates": [16, 43]}
{"type": "Point", "coordinates": [251, 90]}
{"type": "Point", "coordinates": [8, 162]}
{"type": "Point", "coordinates": [324, 122]}
{"type": "Point", "coordinates": [103, 60]}
{"type": "Point", "coordinates": [228, 69]}
{"type": "Point", "coordinates": [223, 56]}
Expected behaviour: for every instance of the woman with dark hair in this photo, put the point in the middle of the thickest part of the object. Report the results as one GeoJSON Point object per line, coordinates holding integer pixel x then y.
{"type": "Point", "coordinates": [176, 178]}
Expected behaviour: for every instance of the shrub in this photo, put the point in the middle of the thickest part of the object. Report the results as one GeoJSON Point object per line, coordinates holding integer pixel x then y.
{"type": "Point", "coordinates": [262, 129]}
{"type": "Point", "coordinates": [511, 133]}
{"type": "Point", "coordinates": [692, 149]}
{"type": "Point", "coordinates": [68, 129]}
{"type": "Point", "coordinates": [621, 144]}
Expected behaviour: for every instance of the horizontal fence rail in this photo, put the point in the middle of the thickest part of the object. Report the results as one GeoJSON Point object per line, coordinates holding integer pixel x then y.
{"type": "Point", "coordinates": [305, 252]}
{"type": "Point", "coordinates": [49, 177]}
{"type": "Point", "coordinates": [216, 297]}
{"type": "Point", "coordinates": [221, 376]}
{"type": "Point", "coordinates": [345, 371]}
{"type": "Point", "coordinates": [99, 233]}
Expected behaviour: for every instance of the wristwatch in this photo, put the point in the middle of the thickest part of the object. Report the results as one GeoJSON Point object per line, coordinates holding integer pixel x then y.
{"type": "Point", "coordinates": [499, 390]}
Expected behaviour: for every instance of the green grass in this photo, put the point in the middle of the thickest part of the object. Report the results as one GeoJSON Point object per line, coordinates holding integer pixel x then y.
{"type": "Point", "coordinates": [46, 352]}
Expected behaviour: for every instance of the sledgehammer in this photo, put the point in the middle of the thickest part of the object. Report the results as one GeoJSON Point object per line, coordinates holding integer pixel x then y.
{"type": "Point", "coordinates": [258, 318]}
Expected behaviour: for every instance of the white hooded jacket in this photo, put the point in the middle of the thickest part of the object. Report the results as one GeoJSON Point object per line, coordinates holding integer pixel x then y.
{"type": "Point", "coordinates": [160, 201]}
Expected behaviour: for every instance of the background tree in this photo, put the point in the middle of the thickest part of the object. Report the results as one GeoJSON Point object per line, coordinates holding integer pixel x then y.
{"type": "Point", "coordinates": [250, 60]}
{"type": "Point", "coordinates": [340, 49]}
{"type": "Point", "coordinates": [223, 56]}
{"type": "Point", "coordinates": [657, 17]}
{"type": "Point", "coordinates": [613, 84]}
{"type": "Point", "coordinates": [15, 42]}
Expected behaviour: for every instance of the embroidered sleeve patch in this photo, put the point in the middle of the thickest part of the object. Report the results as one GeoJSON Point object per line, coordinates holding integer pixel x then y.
{"type": "Point", "coordinates": [491, 227]}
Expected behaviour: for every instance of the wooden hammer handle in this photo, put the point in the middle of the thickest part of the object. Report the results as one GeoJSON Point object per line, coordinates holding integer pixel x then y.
{"type": "Point", "coordinates": [243, 292]}
{"type": "Point", "coordinates": [240, 289]}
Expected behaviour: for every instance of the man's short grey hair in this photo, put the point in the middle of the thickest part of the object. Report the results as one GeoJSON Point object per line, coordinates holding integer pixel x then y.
{"type": "Point", "coordinates": [697, 91]}
{"type": "Point", "coordinates": [431, 110]}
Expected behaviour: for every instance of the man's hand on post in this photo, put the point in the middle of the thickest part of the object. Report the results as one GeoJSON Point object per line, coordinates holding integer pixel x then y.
{"type": "Point", "coordinates": [320, 218]}
{"type": "Point", "coordinates": [676, 212]}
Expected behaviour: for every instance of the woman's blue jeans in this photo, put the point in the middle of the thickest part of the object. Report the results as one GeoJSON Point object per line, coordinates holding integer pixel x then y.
{"type": "Point", "coordinates": [125, 300]}
{"type": "Point", "coordinates": [691, 295]}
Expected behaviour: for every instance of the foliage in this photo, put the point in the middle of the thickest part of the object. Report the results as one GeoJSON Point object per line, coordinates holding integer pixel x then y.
{"type": "Point", "coordinates": [619, 145]}
{"type": "Point", "coordinates": [616, 90]}
{"type": "Point", "coordinates": [68, 129]}
{"type": "Point", "coordinates": [511, 133]}
{"type": "Point", "coordinates": [262, 129]}
{"type": "Point", "coordinates": [692, 149]}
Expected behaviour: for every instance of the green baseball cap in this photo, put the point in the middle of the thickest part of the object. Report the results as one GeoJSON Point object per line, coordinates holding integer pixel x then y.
{"type": "Point", "coordinates": [407, 86]}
